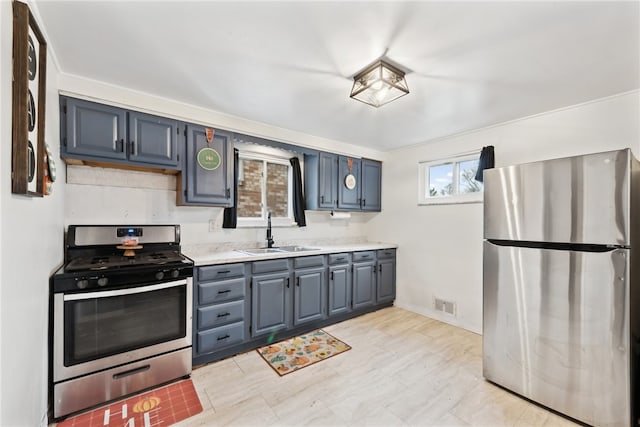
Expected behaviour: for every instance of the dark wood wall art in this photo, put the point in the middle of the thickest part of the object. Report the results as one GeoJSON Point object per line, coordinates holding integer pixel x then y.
{"type": "Point", "coordinates": [29, 88]}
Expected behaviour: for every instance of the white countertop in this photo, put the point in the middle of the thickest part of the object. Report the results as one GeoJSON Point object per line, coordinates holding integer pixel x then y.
{"type": "Point", "coordinates": [201, 256]}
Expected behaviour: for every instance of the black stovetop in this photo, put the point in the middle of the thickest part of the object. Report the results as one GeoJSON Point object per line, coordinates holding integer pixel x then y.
{"type": "Point", "coordinates": [111, 261]}
{"type": "Point", "coordinates": [95, 259]}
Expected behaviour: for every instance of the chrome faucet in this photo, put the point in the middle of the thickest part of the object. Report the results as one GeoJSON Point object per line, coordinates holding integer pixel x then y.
{"type": "Point", "coordinates": [270, 241]}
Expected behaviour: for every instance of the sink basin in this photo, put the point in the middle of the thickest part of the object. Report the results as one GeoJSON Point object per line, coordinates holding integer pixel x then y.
{"type": "Point", "coordinates": [260, 251]}
{"type": "Point", "coordinates": [296, 248]}
{"type": "Point", "coordinates": [277, 250]}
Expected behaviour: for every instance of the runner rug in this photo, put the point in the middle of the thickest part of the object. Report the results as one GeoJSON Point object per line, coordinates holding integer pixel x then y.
{"type": "Point", "coordinates": [296, 353]}
{"type": "Point", "coordinates": [160, 407]}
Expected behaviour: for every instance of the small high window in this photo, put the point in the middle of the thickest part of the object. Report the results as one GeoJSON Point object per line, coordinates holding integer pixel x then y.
{"type": "Point", "coordinates": [449, 180]}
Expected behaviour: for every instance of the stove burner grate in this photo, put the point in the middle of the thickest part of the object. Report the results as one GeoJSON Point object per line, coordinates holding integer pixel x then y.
{"type": "Point", "coordinates": [101, 260]}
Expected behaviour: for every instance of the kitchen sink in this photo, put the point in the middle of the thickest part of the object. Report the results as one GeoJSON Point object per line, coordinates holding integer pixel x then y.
{"type": "Point", "coordinates": [277, 250]}
{"type": "Point", "coordinates": [296, 248]}
{"type": "Point", "coordinates": [260, 251]}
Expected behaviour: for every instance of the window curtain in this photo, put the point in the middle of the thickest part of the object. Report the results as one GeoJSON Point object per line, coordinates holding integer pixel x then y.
{"type": "Point", "coordinates": [230, 219]}
{"type": "Point", "coordinates": [487, 161]}
{"type": "Point", "coordinates": [298, 197]}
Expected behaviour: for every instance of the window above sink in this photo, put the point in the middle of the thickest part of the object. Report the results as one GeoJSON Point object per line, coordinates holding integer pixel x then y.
{"type": "Point", "coordinates": [264, 184]}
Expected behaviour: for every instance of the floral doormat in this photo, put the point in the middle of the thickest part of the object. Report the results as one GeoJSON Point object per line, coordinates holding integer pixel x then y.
{"type": "Point", "coordinates": [304, 350]}
{"type": "Point", "coordinates": [160, 407]}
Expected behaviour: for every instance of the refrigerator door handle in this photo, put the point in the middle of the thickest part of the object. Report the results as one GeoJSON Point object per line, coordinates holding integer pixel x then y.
{"type": "Point", "coordinates": [575, 247]}
{"type": "Point", "coordinates": [620, 286]}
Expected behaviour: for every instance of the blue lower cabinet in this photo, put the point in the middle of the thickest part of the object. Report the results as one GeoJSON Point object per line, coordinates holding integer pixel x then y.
{"type": "Point", "coordinates": [217, 338]}
{"type": "Point", "coordinates": [386, 276]}
{"type": "Point", "coordinates": [220, 308]}
{"type": "Point", "coordinates": [243, 306]}
{"type": "Point", "coordinates": [310, 295]}
{"type": "Point", "coordinates": [270, 303]}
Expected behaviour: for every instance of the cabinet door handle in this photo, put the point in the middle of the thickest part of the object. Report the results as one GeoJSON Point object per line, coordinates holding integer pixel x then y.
{"type": "Point", "coordinates": [225, 291]}
{"type": "Point", "coordinates": [332, 275]}
{"type": "Point", "coordinates": [340, 258]}
{"type": "Point", "coordinates": [287, 282]}
{"type": "Point", "coordinates": [133, 147]}
{"type": "Point", "coordinates": [228, 193]}
{"type": "Point", "coordinates": [224, 314]}
{"type": "Point", "coordinates": [380, 268]}
{"type": "Point", "coordinates": [121, 145]}
{"type": "Point", "coordinates": [321, 199]}
{"type": "Point", "coordinates": [364, 202]}
{"type": "Point", "coordinates": [224, 337]}
{"type": "Point", "coordinates": [298, 281]}
{"type": "Point", "coordinates": [224, 271]}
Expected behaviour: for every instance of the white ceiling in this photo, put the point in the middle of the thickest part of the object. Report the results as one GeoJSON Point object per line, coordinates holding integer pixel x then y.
{"type": "Point", "coordinates": [290, 64]}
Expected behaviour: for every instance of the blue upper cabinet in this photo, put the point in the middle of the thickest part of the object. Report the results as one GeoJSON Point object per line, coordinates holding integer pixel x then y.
{"type": "Point", "coordinates": [153, 139]}
{"type": "Point", "coordinates": [371, 183]}
{"type": "Point", "coordinates": [334, 182]}
{"type": "Point", "coordinates": [207, 174]}
{"type": "Point", "coordinates": [349, 184]}
{"type": "Point", "coordinates": [93, 132]}
{"type": "Point", "coordinates": [321, 181]}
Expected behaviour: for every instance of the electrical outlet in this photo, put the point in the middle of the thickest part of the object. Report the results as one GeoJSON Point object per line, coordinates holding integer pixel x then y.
{"type": "Point", "coordinates": [212, 225]}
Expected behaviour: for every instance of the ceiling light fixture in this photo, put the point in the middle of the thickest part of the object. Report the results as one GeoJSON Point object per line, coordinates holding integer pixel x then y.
{"type": "Point", "coordinates": [378, 84]}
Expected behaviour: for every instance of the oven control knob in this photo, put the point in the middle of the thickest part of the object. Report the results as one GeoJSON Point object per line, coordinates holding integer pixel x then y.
{"type": "Point", "coordinates": [160, 275]}
{"type": "Point", "coordinates": [175, 273]}
{"type": "Point", "coordinates": [103, 281]}
{"type": "Point", "coordinates": [81, 284]}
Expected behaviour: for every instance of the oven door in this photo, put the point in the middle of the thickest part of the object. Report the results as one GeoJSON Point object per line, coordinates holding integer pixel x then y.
{"type": "Point", "coordinates": [102, 329]}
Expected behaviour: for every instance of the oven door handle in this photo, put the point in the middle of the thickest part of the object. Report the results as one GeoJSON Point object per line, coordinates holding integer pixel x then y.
{"type": "Point", "coordinates": [120, 292]}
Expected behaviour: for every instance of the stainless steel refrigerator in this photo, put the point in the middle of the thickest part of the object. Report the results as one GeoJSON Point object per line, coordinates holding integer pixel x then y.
{"type": "Point", "coordinates": [561, 304]}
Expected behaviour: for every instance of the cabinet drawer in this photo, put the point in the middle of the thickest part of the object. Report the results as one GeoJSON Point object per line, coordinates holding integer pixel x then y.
{"type": "Point", "coordinates": [219, 291]}
{"type": "Point", "coordinates": [216, 272]}
{"type": "Point", "coordinates": [338, 259]}
{"type": "Point", "coordinates": [270, 265]}
{"type": "Point", "coordinates": [213, 339]}
{"type": "Point", "coordinates": [220, 314]}
{"type": "Point", "coordinates": [364, 256]}
{"type": "Point", "coordinates": [309, 261]}
{"type": "Point", "coordinates": [386, 253]}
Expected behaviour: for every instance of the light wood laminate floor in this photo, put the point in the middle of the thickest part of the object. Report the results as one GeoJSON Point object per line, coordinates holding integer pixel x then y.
{"type": "Point", "coordinates": [403, 369]}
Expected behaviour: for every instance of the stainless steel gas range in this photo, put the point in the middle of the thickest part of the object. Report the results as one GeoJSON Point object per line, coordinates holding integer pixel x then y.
{"type": "Point", "coordinates": [121, 314]}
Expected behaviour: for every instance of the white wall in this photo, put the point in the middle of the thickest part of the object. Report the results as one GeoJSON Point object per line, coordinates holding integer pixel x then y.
{"type": "Point", "coordinates": [96, 196]}
{"type": "Point", "coordinates": [30, 249]}
{"type": "Point", "coordinates": [440, 247]}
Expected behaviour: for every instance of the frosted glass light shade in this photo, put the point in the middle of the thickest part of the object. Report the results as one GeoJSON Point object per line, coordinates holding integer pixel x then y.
{"type": "Point", "coordinates": [379, 84]}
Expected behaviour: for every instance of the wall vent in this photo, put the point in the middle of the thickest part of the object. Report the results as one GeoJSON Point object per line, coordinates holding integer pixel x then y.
{"type": "Point", "coordinates": [445, 306]}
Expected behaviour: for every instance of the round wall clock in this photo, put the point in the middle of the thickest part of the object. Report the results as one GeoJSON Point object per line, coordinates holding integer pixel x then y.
{"type": "Point", "coordinates": [350, 181]}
